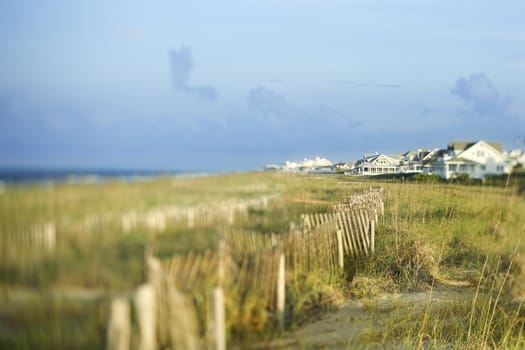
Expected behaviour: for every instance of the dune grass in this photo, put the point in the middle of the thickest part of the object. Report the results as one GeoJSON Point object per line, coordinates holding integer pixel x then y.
{"type": "Point", "coordinates": [437, 234]}
{"type": "Point", "coordinates": [431, 233]}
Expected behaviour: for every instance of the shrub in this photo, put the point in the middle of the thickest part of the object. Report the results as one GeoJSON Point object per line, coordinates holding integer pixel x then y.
{"type": "Point", "coordinates": [462, 178]}
{"type": "Point", "coordinates": [412, 265]}
{"type": "Point", "coordinates": [427, 178]}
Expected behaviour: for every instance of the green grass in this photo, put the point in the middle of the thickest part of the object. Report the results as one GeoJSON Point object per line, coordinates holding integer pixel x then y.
{"type": "Point", "coordinates": [431, 232]}
{"type": "Point", "coordinates": [437, 232]}
{"type": "Point", "coordinates": [47, 322]}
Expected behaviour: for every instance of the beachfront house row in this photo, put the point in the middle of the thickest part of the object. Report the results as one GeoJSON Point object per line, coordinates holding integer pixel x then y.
{"type": "Point", "coordinates": [477, 159]}
{"type": "Point", "coordinates": [316, 165]}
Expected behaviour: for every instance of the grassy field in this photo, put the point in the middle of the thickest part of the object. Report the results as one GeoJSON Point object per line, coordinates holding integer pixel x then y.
{"type": "Point", "coordinates": [432, 236]}
{"type": "Point", "coordinates": [437, 236]}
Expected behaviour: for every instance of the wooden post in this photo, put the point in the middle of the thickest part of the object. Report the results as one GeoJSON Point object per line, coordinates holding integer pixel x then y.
{"type": "Point", "coordinates": [281, 291]}
{"type": "Point", "coordinates": [119, 330]}
{"type": "Point", "coordinates": [152, 268]}
{"type": "Point", "coordinates": [49, 237]}
{"type": "Point", "coordinates": [372, 236]}
{"type": "Point", "coordinates": [145, 308]}
{"type": "Point", "coordinates": [191, 217]}
{"type": "Point", "coordinates": [231, 215]}
{"type": "Point", "coordinates": [216, 321]}
{"type": "Point", "coordinates": [365, 221]}
{"type": "Point", "coordinates": [180, 321]}
{"type": "Point", "coordinates": [221, 273]}
{"type": "Point", "coordinates": [154, 271]}
{"type": "Point", "coordinates": [126, 223]}
{"type": "Point", "coordinates": [358, 241]}
{"type": "Point", "coordinates": [340, 248]}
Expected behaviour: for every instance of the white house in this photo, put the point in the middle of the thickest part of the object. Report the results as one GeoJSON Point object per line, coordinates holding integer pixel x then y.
{"type": "Point", "coordinates": [344, 166]}
{"type": "Point", "coordinates": [411, 161]}
{"type": "Point", "coordinates": [376, 165]}
{"type": "Point", "coordinates": [317, 165]}
{"type": "Point", "coordinates": [517, 157]}
{"type": "Point", "coordinates": [477, 159]}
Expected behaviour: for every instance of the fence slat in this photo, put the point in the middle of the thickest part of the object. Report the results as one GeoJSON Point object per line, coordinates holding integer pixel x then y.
{"type": "Point", "coordinates": [145, 308]}
{"type": "Point", "coordinates": [119, 325]}
{"type": "Point", "coordinates": [281, 291]}
{"type": "Point", "coordinates": [217, 327]}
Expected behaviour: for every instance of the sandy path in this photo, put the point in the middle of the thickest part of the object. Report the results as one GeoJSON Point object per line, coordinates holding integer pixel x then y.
{"type": "Point", "coordinates": [343, 328]}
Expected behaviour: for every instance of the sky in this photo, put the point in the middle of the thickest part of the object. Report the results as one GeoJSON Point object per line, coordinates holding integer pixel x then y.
{"type": "Point", "coordinates": [229, 85]}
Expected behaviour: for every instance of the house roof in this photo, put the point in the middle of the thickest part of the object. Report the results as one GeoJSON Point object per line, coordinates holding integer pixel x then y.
{"type": "Point", "coordinates": [462, 160]}
{"type": "Point", "coordinates": [373, 158]}
{"type": "Point", "coordinates": [458, 146]}
{"type": "Point", "coordinates": [433, 155]}
{"type": "Point", "coordinates": [418, 155]}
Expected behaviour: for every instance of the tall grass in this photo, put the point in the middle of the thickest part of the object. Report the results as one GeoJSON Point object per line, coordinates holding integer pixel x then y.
{"type": "Point", "coordinates": [95, 254]}
{"type": "Point", "coordinates": [439, 237]}
{"type": "Point", "coordinates": [431, 236]}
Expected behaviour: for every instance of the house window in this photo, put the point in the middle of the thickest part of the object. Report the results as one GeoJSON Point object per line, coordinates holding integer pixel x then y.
{"type": "Point", "coordinates": [483, 167]}
{"type": "Point", "coordinates": [366, 169]}
{"type": "Point", "coordinates": [452, 167]}
{"type": "Point", "coordinates": [463, 167]}
{"type": "Point", "coordinates": [480, 153]}
{"type": "Point", "coordinates": [500, 168]}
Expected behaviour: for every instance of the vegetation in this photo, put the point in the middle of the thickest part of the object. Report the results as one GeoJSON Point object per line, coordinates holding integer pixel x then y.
{"type": "Point", "coordinates": [437, 235]}
{"type": "Point", "coordinates": [434, 237]}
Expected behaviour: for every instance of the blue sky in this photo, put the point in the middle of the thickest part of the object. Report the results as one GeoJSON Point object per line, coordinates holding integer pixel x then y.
{"type": "Point", "coordinates": [233, 85]}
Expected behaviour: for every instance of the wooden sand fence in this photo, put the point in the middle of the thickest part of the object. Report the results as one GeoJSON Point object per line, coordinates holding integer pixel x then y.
{"type": "Point", "coordinates": [211, 214]}
{"type": "Point", "coordinates": [199, 298]}
{"type": "Point", "coordinates": [25, 247]}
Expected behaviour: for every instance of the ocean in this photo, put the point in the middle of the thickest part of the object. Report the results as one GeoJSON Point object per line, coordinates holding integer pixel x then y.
{"type": "Point", "coordinates": [82, 176]}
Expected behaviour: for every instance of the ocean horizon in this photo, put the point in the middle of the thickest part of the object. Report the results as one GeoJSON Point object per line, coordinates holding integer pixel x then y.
{"type": "Point", "coordinates": [87, 175]}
